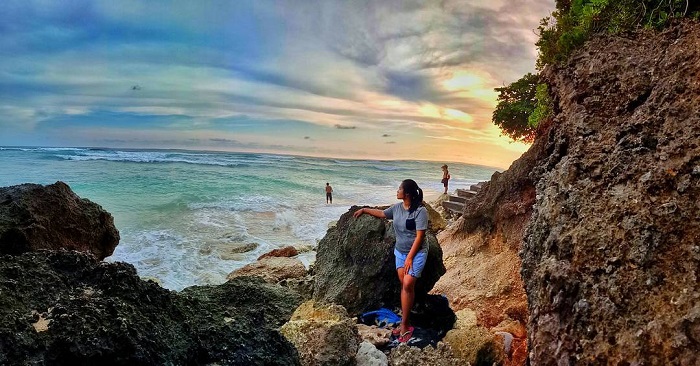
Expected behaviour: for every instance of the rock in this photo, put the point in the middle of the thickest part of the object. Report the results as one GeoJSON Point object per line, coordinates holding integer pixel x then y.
{"type": "Point", "coordinates": [511, 326]}
{"type": "Point", "coordinates": [355, 265]}
{"type": "Point", "coordinates": [233, 251]}
{"type": "Point", "coordinates": [242, 248]}
{"type": "Point", "coordinates": [480, 249]}
{"type": "Point", "coordinates": [466, 318]}
{"type": "Point", "coordinates": [441, 355]}
{"type": "Point", "coordinates": [507, 340]}
{"type": "Point", "coordinates": [34, 217]}
{"type": "Point", "coordinates": [303, 248]}
{"type": "Point", "coordinates": [483, 272]}
{"type": "Point", "coordinates": [378, 337]}
{"type": "Point", "coordinates": [272, 269]}
{"type": "Point", "coordinates": [433, 313]}
{"type": "Point", "coordinates": [322, 334]}
{"type": "Point", "coordinates": [68, 308]}
{"type": "Point", "coordinates": [518, 353]}
{"type": "Point", "coordinates": [435, 220]}
{"type": "Point", "coordinates": [237, 322]}
{"type": "Point", "coordinates": [304, 286]}
{"type": "Point", "coordinates": [608, 260]}
{"type": "Point", "coordinates": [288, 251]}
{"type": "Point", "coordinates": [475, 346]}
{"type": "Point", "coordinates": [437, 206]}
{"type": "Point", "coordinates": [369, 355]}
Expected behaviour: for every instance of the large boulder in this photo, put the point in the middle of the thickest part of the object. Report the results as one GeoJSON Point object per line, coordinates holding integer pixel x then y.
{"type": "Point", "coordinates": [611, 256]}
{"type": "Point", "coordinates": [355, 265]}
{"type": "Point", "coordinates": [324, 335]}
{"type": "Point", "coordinates": [34, 217]}
{"type": "Point", "coordinates": [237, 323]}
{"type": "Point", "coordinates": [475, 346]}
{"type": "Point", "coordinates": [67, 308]}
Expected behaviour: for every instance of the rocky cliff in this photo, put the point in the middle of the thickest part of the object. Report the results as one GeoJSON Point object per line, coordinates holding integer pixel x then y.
{"type": "Point", "coordinates": [603, 211]}
{"type": "Point", "coordinates": [480, 252]}
{"type": "Point", "coordinates": [611, 256]}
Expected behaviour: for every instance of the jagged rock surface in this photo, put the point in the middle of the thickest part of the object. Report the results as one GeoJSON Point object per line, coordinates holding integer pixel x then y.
{"type": "Point", "coordinates": [66, 308]}
{"type": "Point", "coordinates": [323, 335]}
{"type": "Point", "coordinates": [34, 217]}
{"type": "Point", "coordinates": [611, 260]}
{"type": "Point", "coordinates": [480, 249]}
{"type": "Point", "coordinates": [442, 355]}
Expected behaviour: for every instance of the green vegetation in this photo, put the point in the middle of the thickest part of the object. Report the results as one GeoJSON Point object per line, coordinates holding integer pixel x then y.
{"type": "Point", "coordinates": [543, 106]}
{"type": "Point", "coordinates": [515, 104]}
{"type": "Point", "coordinates": [524, 104]}
{"type": "Point", "coordinates": [574, 21]}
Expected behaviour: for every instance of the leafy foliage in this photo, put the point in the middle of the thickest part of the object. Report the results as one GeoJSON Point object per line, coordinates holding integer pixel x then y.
{"type": "Point", "coordinates": [543, 106]}
{"type": "Point", "coordinates": [523, 104]}
{"type": "Point", "coordinates": [515, 104]}
{"type": "Point", "coordinates": [574, 21]}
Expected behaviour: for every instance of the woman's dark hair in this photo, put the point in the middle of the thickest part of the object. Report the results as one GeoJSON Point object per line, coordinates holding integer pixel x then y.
{"type": "Point", "coordinates": [410, 187]}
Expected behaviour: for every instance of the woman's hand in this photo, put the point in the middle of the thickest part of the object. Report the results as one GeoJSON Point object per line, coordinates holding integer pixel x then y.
{"type": "Point", "coordinates": [358, 213]}
{"type": "Point", "coordinates": [407, 265]}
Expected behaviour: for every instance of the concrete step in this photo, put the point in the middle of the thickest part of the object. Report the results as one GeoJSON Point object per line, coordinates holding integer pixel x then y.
{"type": "Point", "coordinates": [457, 199]}
{"type": "Point", "coordinates": [455, 207]}
{"type": "Point", "coordinates": [466, 193]}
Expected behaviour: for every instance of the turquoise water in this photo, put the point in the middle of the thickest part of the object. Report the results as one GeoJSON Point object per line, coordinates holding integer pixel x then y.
{"type": "Point", "coordinates": [184, 215]}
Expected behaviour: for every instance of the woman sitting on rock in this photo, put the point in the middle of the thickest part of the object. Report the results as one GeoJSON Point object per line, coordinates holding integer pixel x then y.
{"type": "Point", "coordinates": [411, 248]}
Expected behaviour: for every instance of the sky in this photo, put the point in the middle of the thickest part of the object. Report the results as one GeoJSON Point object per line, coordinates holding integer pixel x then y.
{"type": "Point", "coordinates": [389, 79]}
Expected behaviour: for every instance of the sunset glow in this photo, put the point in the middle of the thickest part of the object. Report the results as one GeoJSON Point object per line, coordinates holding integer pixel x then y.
{"type": "Point", "coordinates": [338, 79]}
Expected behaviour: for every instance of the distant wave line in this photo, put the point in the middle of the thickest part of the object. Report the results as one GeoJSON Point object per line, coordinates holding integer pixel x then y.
{"type": "Point", "coordinates": [147, 160]}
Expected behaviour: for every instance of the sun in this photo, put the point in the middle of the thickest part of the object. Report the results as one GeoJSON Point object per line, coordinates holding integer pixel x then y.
{"type": "Point", "coordinates": [463, 81]}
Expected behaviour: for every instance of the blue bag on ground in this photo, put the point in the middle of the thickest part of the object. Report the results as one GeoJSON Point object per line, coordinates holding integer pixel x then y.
{"type": "Point", "coordinates": [383, 317]}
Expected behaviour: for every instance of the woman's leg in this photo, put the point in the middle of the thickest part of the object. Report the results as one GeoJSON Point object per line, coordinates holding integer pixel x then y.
{"type": "Point", "coordinates": [408, 285]}
{"type": "Point", "coordinates": [400, 272]}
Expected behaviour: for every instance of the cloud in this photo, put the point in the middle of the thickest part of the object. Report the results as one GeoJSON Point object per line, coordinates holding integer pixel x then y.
{"type": "Point", "coordinates": [341, 127]}
{"type": "Point", "coordinates": [259, 67]}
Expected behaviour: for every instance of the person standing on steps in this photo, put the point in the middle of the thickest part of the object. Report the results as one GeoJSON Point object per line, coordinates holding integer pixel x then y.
{"type": "Point", "coordinates": [445, 177]}
{"type": "Point", "coordinates": [329, 193]}
{"type": "Point", "coordinates": [411, 249]}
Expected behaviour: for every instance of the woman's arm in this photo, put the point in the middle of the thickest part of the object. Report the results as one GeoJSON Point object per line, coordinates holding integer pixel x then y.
{"type": "Point", "coordinates": [370, 211]}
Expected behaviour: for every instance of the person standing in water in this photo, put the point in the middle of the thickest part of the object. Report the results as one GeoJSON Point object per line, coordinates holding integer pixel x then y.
{"type": "Point", "coordinates": [445, 177]}
{"type": "Point", "coordinates": [329, 193]}
{"type": "Point", "coordinates": [411, 249]}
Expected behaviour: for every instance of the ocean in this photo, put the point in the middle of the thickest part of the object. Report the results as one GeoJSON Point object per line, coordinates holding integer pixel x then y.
{"type": "Point", "coordinates": [191, 217]}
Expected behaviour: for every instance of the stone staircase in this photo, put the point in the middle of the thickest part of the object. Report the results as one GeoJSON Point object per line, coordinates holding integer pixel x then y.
{"type": "Point", "coordinates": [455, 203]}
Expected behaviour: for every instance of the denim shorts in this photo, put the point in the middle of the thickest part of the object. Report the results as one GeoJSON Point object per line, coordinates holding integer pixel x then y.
{"type": "Point", "coordinates": [418, 262]}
